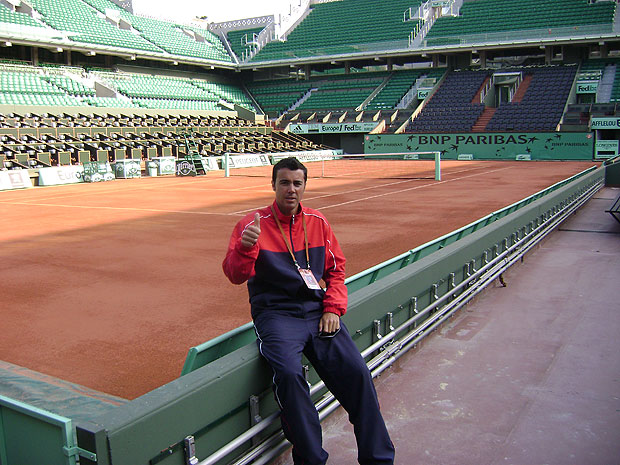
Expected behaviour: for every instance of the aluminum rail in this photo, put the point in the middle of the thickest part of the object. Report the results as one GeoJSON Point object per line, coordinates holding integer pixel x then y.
{"type": "Point", "coordinates": [391, 349]}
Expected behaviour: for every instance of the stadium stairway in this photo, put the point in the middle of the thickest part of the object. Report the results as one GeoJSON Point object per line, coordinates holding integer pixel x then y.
{"type": "Point", "coordinates": [484, 119]}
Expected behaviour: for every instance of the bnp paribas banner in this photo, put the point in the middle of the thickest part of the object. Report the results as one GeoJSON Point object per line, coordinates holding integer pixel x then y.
{"type": "Point", "coordinates": [488, 146]}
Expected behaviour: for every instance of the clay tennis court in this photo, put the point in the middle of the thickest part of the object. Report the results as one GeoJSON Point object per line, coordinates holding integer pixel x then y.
{"type": "Point", "coordinates": [108, 285]}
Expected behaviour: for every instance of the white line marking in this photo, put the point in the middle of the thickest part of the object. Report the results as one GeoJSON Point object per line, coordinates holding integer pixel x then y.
{"type": "Point", "coordinates": [409, 189]}
{"type": "Point", "coordinates": [88, 207]}
{"type": "Point", "coordinates": [434, 183]}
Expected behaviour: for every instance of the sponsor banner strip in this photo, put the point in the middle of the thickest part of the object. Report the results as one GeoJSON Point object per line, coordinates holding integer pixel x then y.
{"type": "Point", "coordinates": [57, 175]}
{"type": "Point", "coordinates": [331, 128]}
{"type": "Point", "coordinates": [15, 179]}
{"type": "Point", "coordinates": [605, 123]}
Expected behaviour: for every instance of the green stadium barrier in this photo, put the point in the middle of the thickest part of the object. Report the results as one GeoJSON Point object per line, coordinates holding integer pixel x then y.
{"type": "Point", "coordinates": [30, 435]}
{"type": "Point", "coordinates": [127, 169]}
{"type": "Point", "coordinates": [209, 351]}
{"type": "Point", "coordinates": [488, 146]}
{"type": "Point", "coordinates": [96, 171]}
{"type": "Point", "coordinates": [612, 172]}
{"type": "Point", "coordinates": [215, 404]}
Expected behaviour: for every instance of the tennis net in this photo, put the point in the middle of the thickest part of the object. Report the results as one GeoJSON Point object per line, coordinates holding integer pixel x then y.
{"type": "Point", "coordinates": [415, 165]}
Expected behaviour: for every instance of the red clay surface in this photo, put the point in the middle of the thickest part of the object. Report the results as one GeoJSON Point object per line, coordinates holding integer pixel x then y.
{"type": "Point", "coordinates": [108, 285]}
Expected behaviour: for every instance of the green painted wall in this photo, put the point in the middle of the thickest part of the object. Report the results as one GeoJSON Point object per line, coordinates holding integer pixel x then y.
{"type": "Point", "coordinates": [488, 146]}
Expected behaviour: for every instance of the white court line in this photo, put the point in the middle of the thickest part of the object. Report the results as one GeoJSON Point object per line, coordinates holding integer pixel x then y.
{"type": "Point", "coordinates": [109, 188]}
{"type": "Point", "coordinates": [409, 189]}
{"type": "Point", "coordinates": [434, 183]}
{"type": "Point", "coordinates": [153, 210]}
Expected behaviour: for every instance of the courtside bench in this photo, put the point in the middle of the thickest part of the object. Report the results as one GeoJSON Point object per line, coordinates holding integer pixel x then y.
{"type": "Point", "coordinates": [614, 210]}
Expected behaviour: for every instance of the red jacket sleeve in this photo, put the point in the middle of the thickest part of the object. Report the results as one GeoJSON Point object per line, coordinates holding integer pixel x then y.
{"type": "Point", "coordinates": [239, 262]}
{"type": "Point", "coordinates": [336, 296]}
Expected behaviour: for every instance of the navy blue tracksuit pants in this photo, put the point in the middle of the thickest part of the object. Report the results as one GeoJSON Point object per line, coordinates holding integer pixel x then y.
{"type": "Point", "coordinates": [282, 338]}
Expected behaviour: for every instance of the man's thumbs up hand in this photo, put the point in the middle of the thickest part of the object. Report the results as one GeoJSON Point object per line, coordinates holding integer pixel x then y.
{"type": "Point", "coordinates": [251, 233]}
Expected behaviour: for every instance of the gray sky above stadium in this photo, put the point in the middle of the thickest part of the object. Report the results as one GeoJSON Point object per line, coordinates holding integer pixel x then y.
{"type": "Point", "coordinates": [214, 10]}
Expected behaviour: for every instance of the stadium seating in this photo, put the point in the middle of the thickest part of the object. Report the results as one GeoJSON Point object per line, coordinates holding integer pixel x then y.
{"type": "Point", "coordinates": [83, 24]}
{"type": "Point", "coordinates": [324, 95]}
{"type": "Point", "coordinates": [71, 139]}
{"type": "Point", "coordinates": [542, 105]}
{"type": "Point", "coordinates": [52, 85]}
{"type": "Point", "coordinates": [451, 108]}
{"type": "Point", "coordinates": [176, 39]}
{"type": "Point", "coordinates": [389, 96]}
{"type": "Point", "coordinates": [491, 16]}
{"type": "Point", "coordinates": [359, 22]}
{"type": "Point", "coordinates": [17, 18]}
{"type": "Point", "coordinates": [103, 23]}
{"type": "Point", "coordinates": [170, 37]}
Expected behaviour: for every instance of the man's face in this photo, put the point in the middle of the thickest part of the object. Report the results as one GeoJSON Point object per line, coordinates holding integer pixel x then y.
{"type": "Point", "coordinates": [289, 188]}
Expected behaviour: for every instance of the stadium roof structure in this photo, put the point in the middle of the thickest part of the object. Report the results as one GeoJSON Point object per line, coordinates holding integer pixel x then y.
{"type": "Point", "coordinates": [319, 34]}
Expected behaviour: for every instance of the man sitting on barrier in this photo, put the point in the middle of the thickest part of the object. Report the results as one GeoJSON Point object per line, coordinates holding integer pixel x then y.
{"type": "Point", "coordinates": [283, 251]}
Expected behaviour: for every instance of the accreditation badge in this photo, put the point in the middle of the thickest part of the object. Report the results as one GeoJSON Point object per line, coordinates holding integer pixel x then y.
{"type": "Point", "coordinates": [309, 279]}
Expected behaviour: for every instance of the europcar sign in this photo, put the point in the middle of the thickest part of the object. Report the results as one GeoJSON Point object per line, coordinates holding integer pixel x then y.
{"type": "Point", "coordinates": [331, 128]}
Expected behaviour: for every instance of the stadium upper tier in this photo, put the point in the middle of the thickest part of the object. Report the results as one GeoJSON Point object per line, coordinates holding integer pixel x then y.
{"type": "Point", "coordinates": [484, 17]}
{"type": "Point", "coordinates": [103, 25]}
{"type": "Point", "coordinates": [338, 28]}
{"type": "Point", "coordinates": [332, 29]}
{"type": "Point", "coordinates": [356, 26]}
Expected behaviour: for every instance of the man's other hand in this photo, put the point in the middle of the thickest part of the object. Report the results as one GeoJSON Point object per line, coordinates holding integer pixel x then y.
{"type": "Point", "coordinates": [330, 323]}
{"type": "Point", "coordinates": [251, 233]}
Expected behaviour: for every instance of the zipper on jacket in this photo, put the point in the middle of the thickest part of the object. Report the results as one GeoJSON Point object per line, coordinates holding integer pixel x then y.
{"type": "Point", "coordinates": [290, 232]}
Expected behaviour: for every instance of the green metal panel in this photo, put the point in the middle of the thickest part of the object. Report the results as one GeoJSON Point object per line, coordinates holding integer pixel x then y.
{"type": "Point", "coordinates": [64, 158]}
{"type": "Point", "coordinates": [612, 173]}
{"type": "Point", "coordinates": [69, 131]}
{"type": "Point", "coordinates": [215, 348]}
{"type": "Point", "coordinates": [83, 156]}
{"type": "Point", "coordinates": [9, 131]}
{"type": "Point", "coordinates": [210, 403]}
{"type": "Point", "coordinates": [45, 158]}
{"type": "Point", "coordinates": [29, 435]}
{"type": "Point", "coordinates": [119, 154]}
{"type": "Point", "coordinates": [27, 131]}
{"type": "Point", "coordinates": [489, 146]}
{"type": "Point", "coordinates": [102, 155]}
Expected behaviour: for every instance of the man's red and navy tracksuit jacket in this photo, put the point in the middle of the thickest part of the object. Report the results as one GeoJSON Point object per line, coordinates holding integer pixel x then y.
{"type": "Point", "coordinates": [274, 283]}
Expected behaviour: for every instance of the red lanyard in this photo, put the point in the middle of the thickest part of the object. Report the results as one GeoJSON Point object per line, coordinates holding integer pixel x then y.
{"type": "Point", "coordinates": [288, 245]}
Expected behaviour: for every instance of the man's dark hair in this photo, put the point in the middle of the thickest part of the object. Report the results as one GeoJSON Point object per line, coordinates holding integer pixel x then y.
{"type": "Point", "coordinates": [290, 163]}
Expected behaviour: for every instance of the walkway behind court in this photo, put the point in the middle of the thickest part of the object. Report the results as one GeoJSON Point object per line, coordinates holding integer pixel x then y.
{"type": "Point", "coordinates": [526, 374]}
